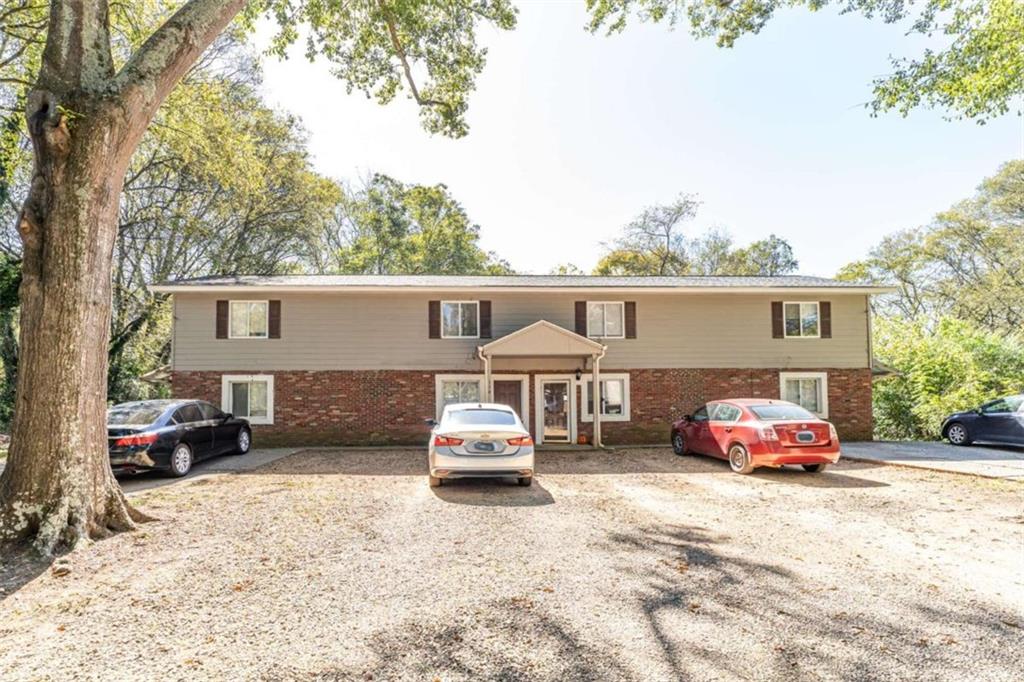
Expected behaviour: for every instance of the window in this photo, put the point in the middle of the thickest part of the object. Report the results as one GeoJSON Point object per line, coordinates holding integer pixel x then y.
{"type": "Point", "coordinates": [720, 412]}
{"type": "Point", "coordinates": [458, 388]}
{"type": "Point", "coordinates": [1004, 405]}
{"type": "Point", "coordinates": [614, 398]}
{"type": "Point", "coordinates": [606, 320]}
{"type": "Point", "coordinates": [248, 319]}
{"type": "Point", "coordinates": [809, 390]}
{"type": "Point", "coordinates": [701, 415]}
{"type": "Point", "coordinates": [780, 412]}
{"type": "Point", "coordinates": [460, 319]}
{"type": "Point", "coordinates": [210, 412]}
{"type": "Point", "coordinates": [801, 320]}
{"type": "Point", "coordinates": [481, 418]}
{"type": "Point", "coordinates": [187, 414]}
{"type": "Point", "coordinates": [249, 396]}
{"type": "Point", "coordinates": [135, 413]}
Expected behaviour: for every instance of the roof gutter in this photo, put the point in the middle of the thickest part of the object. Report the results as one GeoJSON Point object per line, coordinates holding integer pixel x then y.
{"type": "Point", "coordinates": [293, 289]}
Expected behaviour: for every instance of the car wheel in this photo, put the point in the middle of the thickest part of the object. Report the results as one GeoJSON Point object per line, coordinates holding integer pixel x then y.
{"type": "Point", "coordinates": [739, 459]}
{"type": "Point", "coordinates": [434, 481]}
{"type": "Point", "coordinates": [181, 460]}
{"type": "Point", "coordinates": [679, 443]}
{"type": "Point", "coordinates": [814, 468]}
{"type": "Point", "coordinates": [244, 441]}
{"type": "Point", "coordinates": [526, 481]}
{"type": "Point", "coordinates": [956, 434]}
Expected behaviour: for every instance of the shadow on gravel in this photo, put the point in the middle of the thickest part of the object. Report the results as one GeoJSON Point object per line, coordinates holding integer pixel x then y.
{"type": "Point", "coordinates": [19, 569]}
{"type": "Point", "coordinates": [507, 639]}
{"type": "Point", "coordinates": [699, 602]}
{"type": "Point", "coordinates": [493, 492]}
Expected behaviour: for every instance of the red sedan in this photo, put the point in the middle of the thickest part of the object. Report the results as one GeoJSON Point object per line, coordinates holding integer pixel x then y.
{"type": "Point", "coordinates": [753, 433]}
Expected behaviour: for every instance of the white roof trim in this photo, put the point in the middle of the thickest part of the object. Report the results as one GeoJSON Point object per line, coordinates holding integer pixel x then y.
{"type": "Point", "coordinates": [385, 289]}
{"type": "Point", "coordinates": [518, 342]}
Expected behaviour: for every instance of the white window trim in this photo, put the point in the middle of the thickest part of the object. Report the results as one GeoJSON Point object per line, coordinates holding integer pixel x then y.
{"type": "Point", "coordinates": [524, 394]}
{"type": "Point", "coordinates": [225, 394]}
{"type": "Point", "coordinates": [822, 376]}
{"type": "Point", "coordinates": [538, 407]}
{"type": "Point", "coordinates": [266, 304]}
{"type": "Point", "coordinates": [602, 335]}
{"type": "Point", "coordinates": [450, 336]}
{"type": "Point", "coordinates": [801, 335]}
{"type": "Point", "coordinates": [585, 387]}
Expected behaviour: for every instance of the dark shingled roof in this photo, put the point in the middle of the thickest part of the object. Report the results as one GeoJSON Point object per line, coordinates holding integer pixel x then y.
{"type": "Point", "coordinates": [514, 281]}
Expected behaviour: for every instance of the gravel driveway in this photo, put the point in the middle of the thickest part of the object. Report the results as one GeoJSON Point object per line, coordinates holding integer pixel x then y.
{"type": "Point", "coordinates": [634, 565]}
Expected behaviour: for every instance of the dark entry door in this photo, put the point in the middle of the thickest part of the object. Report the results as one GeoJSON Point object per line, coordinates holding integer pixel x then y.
{"type": "Point", "coordinates": [510, 393]}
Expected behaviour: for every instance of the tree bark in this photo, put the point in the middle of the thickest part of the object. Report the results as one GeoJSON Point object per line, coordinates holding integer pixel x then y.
{"type": "Point", "coordinates": [57, 486]}
{"type": "Point", "coordinates": [85, 122]}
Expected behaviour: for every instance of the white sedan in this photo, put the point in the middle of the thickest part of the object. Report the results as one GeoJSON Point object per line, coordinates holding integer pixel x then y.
{"type": "Point", "coordinates": [479, 439]}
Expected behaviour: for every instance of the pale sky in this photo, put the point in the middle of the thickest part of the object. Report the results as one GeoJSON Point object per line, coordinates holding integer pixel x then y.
{"type": "Point", "coordinates": [572, 134]}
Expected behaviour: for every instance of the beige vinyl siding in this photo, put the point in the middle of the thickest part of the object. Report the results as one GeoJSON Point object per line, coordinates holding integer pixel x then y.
{"type": "Point", "coordinates": [389, 331]}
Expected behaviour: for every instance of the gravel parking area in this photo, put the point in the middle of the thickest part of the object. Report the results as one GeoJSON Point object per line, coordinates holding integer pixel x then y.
{"type": "Point", "coordinates": [632, 565]}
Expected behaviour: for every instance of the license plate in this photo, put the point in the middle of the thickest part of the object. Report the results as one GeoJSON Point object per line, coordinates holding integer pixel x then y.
{"type": "Point", "coordinates": [805, 437]}
{"type": "Point", "coordinates": [484, 447]}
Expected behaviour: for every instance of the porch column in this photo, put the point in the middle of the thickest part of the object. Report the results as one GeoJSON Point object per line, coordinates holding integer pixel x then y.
{"type": "Point", "coordinates": [596, 396]}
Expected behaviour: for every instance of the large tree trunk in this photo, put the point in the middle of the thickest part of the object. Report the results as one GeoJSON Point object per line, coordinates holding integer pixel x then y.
{"type": "Point", "coordinates": [58, 486]}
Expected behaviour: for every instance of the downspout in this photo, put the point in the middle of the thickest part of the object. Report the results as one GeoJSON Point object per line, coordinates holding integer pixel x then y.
{"type": "Point", "coordinates": [487, 373]}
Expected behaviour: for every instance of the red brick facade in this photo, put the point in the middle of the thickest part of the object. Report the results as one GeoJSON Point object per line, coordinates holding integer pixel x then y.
{"type": "Point", "coordinates": [388, 406]}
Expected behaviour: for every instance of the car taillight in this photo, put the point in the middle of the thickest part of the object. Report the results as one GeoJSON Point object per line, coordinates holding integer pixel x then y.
{"type": "Point", "coordinates": [446, 441]}
{"type": "Point", "coordinates": [525, 440]}
{"type": "Point", "coordinates": [768, 433]}
{"type": "Point", "coordinates": [137, 439]}
{"type": "Point", "coordinates": [832, 433]}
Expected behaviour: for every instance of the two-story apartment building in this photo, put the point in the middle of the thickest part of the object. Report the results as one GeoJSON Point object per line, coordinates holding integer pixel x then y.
{"type": "Point", "coordinates": [364, 359]}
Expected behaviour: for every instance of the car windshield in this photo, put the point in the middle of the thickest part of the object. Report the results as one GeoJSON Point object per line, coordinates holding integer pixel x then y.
{"type": "Point", "coordinates": [780, 412]}
{"type": "Point", "coordinates": [135, 413]}
{"type": "Point", "coordinates": [478, 416]}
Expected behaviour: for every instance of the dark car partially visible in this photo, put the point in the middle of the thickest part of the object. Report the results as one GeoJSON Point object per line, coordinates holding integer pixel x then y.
{"type": "Point", "coordinates": [171, 435]}
{"type": "Point", "coordinates": [999, 421]}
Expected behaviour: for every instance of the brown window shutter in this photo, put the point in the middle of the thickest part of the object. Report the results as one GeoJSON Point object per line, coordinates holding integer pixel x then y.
{"type": "Point", "coordinates": [825, 310]}
{"type": "Point", "coordinates": [434, 319]}
{"type": "Point", "coordinates": [778, 324]}
{"type": "Point", "coordinates": [274, 320]}
{"type": "Point", "coordinates": [630, 319]}
{"type": "Point", "coordinates": [222, 319]}
{"type": "Point", "coordinates": [485, 319]}
{"type": "Point", "coordinates": [581, 318]}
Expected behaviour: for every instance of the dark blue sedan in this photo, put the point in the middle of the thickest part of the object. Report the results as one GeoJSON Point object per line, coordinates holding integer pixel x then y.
{"type": "Point", "coordinates": [171, 435]}
{"type": "Point", "coordinates": [999, 421]}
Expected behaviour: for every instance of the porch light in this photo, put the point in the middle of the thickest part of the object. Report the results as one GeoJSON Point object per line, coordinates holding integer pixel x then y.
{"type": "Point", "coordinates": [579, 373]}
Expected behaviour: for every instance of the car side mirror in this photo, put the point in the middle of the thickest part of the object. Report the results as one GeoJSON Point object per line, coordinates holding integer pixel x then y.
{"type": "Point", "coordinates": [227, 417]}
{"type": "Point", "coordinates": [430, 421]}
{"type": "Point", "coordinates": [687, 417]}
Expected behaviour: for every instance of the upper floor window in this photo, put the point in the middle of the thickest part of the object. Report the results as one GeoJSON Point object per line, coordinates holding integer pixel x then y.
{"type": "Point", "coordinates": [802, 320]}
{"type": "Point", "coordinates": [606, 319]}
{"type": "Point", "coordinates": [460, 319]}
{"type": "Point", "coordinates": [249, 319]}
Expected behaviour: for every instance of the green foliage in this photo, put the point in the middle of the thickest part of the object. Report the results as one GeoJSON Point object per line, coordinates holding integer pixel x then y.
{"type": "Point", "coordinates": [968, 263]}
{"type": "Point", "coordinates": [976, 72]}
{"type": "Point", "coordinates": [947, 367]}
{"type": "Point", "coordinates": [379, 47]}
{"type": "Point", "coordinates": [393, 228]}
{"type": "Point", "coordinates": [655, 244]}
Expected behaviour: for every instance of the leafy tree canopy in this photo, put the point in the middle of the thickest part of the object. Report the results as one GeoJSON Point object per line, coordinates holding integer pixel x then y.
{"type": "Point", "coordinates": [974, 71]}
{"type": "Point", "coordinates": [388, 227]}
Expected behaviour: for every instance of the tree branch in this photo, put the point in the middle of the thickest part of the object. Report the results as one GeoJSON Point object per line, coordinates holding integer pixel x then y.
{"type": "Point", "coordinates": [406, 68]}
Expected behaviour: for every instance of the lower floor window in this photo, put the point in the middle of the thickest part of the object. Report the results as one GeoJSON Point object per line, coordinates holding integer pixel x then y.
{"type": "Point", "coordinates": [614, 398]}
{"type": "Point", "coordinates": [451, 390]}
{"type": "Point", "coordinates": [809, 390]}
{"type": "Point", "coordinates": [249, 396]}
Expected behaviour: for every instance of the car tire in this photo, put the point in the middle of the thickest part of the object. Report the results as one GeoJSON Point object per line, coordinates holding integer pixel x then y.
{"type": "Point", "coordinates": [679, 443]}
{"type": "Point", "coordinates": [181, 461]}
{"type": "Point", "coordinates": [814, 468]}
{"type": "Point", "coordinates": [956, 433]}
{"type": "Point", "coordinates": [244, 441]}
{"type": "Point", "coordinates": [526, 481]}
{"type": "Point", "coordinates": [434, 481]}
{"type": "Point", "coordinates": [739, 459]}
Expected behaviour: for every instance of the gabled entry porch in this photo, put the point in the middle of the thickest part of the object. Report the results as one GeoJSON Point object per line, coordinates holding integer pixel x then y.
{"type": "Point", "coordinates": [554, 409]}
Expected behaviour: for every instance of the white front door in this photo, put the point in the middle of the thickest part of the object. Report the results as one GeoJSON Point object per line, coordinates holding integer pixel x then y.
{"type": "Point", "coordinates": [556, 410]}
